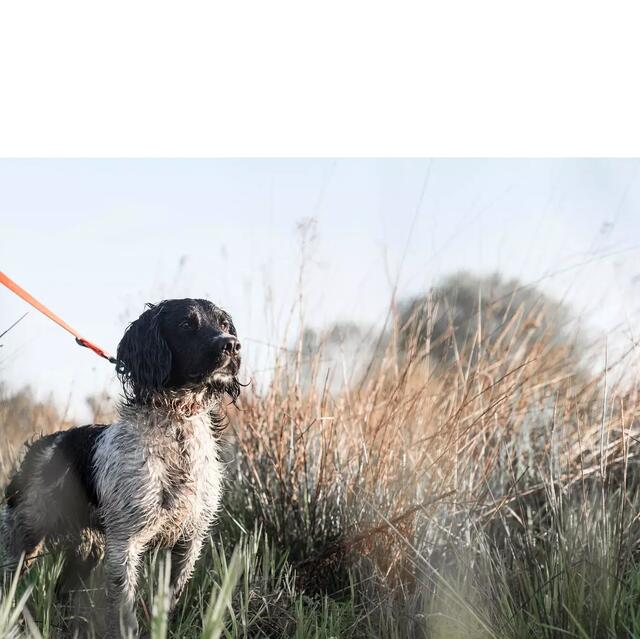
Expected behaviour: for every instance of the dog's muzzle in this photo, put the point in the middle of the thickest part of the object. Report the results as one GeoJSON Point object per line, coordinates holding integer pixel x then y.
{"type": "Point", "coordinates": [226, 353]}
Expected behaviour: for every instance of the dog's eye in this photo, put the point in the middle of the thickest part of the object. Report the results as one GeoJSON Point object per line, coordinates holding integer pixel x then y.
{"type": "Point", "coordinates": [190, 323]}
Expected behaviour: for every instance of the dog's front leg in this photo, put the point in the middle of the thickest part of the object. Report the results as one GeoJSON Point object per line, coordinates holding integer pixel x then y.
{"type": "Point", "coordinates": [184, 555]}
{"type": "Point", "coordinates": [122, 560]}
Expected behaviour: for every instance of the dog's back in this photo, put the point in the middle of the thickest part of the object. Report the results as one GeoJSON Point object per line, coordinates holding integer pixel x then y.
{"type": "Point", "coordinates": [53, 494]}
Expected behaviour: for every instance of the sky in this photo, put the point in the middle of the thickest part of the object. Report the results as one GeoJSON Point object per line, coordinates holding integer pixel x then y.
{"type": "Point", "coordinates": [96, 239]}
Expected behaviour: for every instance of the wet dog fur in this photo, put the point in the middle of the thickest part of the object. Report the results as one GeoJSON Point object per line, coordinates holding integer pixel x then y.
{"type": "Point", "coordinates": [152, 478]}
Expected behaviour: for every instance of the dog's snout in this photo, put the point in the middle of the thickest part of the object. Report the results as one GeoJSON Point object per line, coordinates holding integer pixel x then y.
{"type": "Point", "coordinates": [230, 345]}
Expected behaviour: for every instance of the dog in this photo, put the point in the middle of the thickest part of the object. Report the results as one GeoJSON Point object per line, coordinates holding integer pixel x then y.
{"type": "Point", "coordinates": [152, 478]}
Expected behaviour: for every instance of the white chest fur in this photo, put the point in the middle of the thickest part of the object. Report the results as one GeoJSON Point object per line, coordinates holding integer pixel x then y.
{"type": "Point", "coordinates": [162, 475]}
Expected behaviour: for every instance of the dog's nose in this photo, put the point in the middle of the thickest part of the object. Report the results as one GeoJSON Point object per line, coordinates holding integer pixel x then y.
{"type": "Point", "coordinates": [230, 345]}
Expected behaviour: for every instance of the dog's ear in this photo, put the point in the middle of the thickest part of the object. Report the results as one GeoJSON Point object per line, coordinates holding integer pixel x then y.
{"type": "Point", "coordinates": [143, 358]}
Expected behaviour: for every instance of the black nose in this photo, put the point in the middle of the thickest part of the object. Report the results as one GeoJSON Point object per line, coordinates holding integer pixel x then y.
{"type": "Point", "coordinates": [230, 345]}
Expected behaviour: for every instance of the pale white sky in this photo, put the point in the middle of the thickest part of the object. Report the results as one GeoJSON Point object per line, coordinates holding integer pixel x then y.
{"type": "Point", "coordinates": [95, 239]}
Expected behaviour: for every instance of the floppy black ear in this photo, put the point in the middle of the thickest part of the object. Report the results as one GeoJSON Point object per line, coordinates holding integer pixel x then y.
{"type": "Point", "coordinates": [143, 358]}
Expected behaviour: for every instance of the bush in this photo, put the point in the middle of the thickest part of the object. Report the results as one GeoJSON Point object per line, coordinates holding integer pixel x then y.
{"type": "Point", "coordinates": [467, 312]}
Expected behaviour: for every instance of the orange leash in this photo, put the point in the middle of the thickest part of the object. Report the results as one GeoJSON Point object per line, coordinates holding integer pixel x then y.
{"type": "Point", "coordinates": [20, 292]}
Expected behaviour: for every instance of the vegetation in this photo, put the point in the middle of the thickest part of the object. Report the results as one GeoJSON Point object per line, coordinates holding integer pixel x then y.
{"type": "Point", "coordinates": [465, 306]}
{"type": "Point", "coordinates": [487, 490]}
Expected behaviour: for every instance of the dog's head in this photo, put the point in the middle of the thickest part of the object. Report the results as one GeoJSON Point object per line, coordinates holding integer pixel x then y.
{"type": "Point", "coordinates": [179, 344]}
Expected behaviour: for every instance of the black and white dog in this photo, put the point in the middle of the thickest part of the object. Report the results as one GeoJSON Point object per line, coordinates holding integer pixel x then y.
{"type": "Point", "coordinates": [152, 478]}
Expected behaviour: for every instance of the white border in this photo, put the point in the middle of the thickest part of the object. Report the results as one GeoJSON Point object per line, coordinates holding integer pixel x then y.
{"type": "Point", "coordinates": [346, 78]}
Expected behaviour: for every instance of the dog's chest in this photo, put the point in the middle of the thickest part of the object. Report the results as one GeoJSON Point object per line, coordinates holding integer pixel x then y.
{"type": "Point", "coordinates": [188, 476]}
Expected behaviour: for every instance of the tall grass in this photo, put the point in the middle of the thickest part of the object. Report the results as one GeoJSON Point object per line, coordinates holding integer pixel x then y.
{"type": "Point", "coordinates": [489, 493]}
